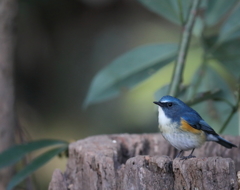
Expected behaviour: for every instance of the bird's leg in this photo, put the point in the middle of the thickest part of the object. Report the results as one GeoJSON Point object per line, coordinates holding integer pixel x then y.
{"type": "Point", "coordinates": [189, 156]}
{"type": "Point", "coordinates": [179, 154]}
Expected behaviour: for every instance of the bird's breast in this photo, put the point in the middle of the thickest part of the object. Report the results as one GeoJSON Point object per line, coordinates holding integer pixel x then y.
{"type": "Point", "coordinates": [182, 139]}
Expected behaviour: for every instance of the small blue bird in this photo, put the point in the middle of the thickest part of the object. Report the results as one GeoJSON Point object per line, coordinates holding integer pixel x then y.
{"type": "Point", "coordinates": [184, 128]}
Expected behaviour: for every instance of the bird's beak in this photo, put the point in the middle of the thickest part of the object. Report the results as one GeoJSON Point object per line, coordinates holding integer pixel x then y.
{"type": "Point", "coordinates": [158, 103]}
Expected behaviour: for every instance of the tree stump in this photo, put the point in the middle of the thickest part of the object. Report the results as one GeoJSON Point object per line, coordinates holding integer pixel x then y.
{"type": "Point", "coordinates": [139, 162]}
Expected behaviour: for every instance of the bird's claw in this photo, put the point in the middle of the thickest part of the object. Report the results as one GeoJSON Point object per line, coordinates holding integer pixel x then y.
{"type": "Point", "coordinates": [187, 157]}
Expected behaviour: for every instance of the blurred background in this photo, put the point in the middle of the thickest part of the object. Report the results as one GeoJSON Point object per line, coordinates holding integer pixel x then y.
{"type": "Point", "coordinates": [61, 45]}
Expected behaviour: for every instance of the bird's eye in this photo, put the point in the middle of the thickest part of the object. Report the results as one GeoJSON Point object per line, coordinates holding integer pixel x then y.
{"type": "Point", "coordinates": [169, 104]}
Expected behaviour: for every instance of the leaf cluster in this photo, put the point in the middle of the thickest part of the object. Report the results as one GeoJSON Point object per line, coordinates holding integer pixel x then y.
{"type": "Point", "coordinates": [209, 84]}
{"type": "Point", "coordinates": [17, 153]}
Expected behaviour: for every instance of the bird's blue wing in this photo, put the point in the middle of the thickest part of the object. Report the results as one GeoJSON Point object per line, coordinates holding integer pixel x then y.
{"type": "Point", "coordinates": [197, 122]}
{"type": "Point", "coordinates": [205, 127]}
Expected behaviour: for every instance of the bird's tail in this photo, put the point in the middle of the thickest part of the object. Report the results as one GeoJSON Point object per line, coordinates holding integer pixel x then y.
{"type": "Point", "coordinates": [225, 143]}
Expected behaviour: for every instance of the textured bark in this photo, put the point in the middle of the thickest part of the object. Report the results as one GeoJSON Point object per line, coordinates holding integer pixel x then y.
{"type": "Point", "coordinates": [206, 173]}
{"type": "Point", "coordinates": [138, 162]}
{"type": "Point", "coordinates": [58, 181]}
{"type": "Point", "coordinates": [144, 172]}
{"type": "Point", "coordinates": [7, 15]}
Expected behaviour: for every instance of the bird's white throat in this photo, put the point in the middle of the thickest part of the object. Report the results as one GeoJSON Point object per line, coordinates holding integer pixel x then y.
{"type": "Point", "coordinates": [163, 120]}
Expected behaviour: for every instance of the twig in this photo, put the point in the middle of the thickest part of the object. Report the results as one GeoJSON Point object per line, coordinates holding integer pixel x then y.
{"type": "Point", "coordinates": [223, 100]}
{"type": "Point", "coordinates": [185, 40]}
{"type": "Point", "coordinates": [227, 120]}
{"type": "Point", "coordinates": [200, 97]}
{"type": "Point", "coordinates": [234, 110]}
{"type": "Point", "coordinates": [180, 12]}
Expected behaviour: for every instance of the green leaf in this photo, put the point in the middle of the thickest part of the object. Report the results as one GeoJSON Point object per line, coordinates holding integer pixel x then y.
{"type": "Point", "coordinates": [198, 27]}
{"type": "Point", "coordinates": [15, 153]}
{"type": "Point", "coordinates": [227, 54]}
{"type": "Point", "coordinates": [129, 70]}
{"type": "Point", "coordinates": [215, 10]}
{"type": "Point", "coordinates": [231, 28]}
{"type": "Point", "coordinates": [161, 92]}
{"type": "Point", "coordinates": [215, 112]}
{"type": "Point", "coordinates": [229, 57]}
{"type": "Point", "coordinates": [34, 165]}
{"type": "Point", "coordinates": [165, 89]}
{"type": "Point", "coordinates": [169, 8]}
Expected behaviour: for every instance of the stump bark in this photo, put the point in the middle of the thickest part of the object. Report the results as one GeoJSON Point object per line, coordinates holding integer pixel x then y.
{"type": "Point", "coordinates": [136, 162]}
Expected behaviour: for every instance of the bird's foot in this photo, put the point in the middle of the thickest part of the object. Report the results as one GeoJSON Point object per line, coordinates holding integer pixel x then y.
{"type": "Point", "coordinates": [187, 157]}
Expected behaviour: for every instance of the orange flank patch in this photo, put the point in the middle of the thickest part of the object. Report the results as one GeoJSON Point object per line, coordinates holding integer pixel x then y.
{"type": "Point", "coordinates": [186, 127]}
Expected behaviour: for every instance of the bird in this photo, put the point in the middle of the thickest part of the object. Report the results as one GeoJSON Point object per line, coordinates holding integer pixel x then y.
{"type": "Point", "coordinates": [184, 128]}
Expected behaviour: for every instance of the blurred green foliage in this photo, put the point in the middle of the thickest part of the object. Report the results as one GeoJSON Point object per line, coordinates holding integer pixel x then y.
{"type": "Point", "coordinates": [18, 152]}
{"type": "Point", "coordinates": [220, 46]}
{"type": "Point", "coordinates": [129, 70]}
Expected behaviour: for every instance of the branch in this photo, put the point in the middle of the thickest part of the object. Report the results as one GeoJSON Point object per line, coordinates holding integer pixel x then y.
{"type": "Point", "coordinates": [200, 97]}
{"type": "Point", "coordinates": [185, 40]}
{"type": "Point", "coordinates": [227, 121]}
{"type": "Point", "coordinates": [234, 110]}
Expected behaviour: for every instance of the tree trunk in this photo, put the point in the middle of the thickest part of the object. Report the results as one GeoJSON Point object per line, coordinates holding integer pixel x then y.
{"type": "Point", "coordinates": [7, 119]}
{"type": "Point", "coordinates": [120, 162]}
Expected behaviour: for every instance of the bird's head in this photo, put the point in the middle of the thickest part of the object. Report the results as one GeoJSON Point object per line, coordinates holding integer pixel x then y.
{"type": "Point", "coordinates": [172, 107]}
